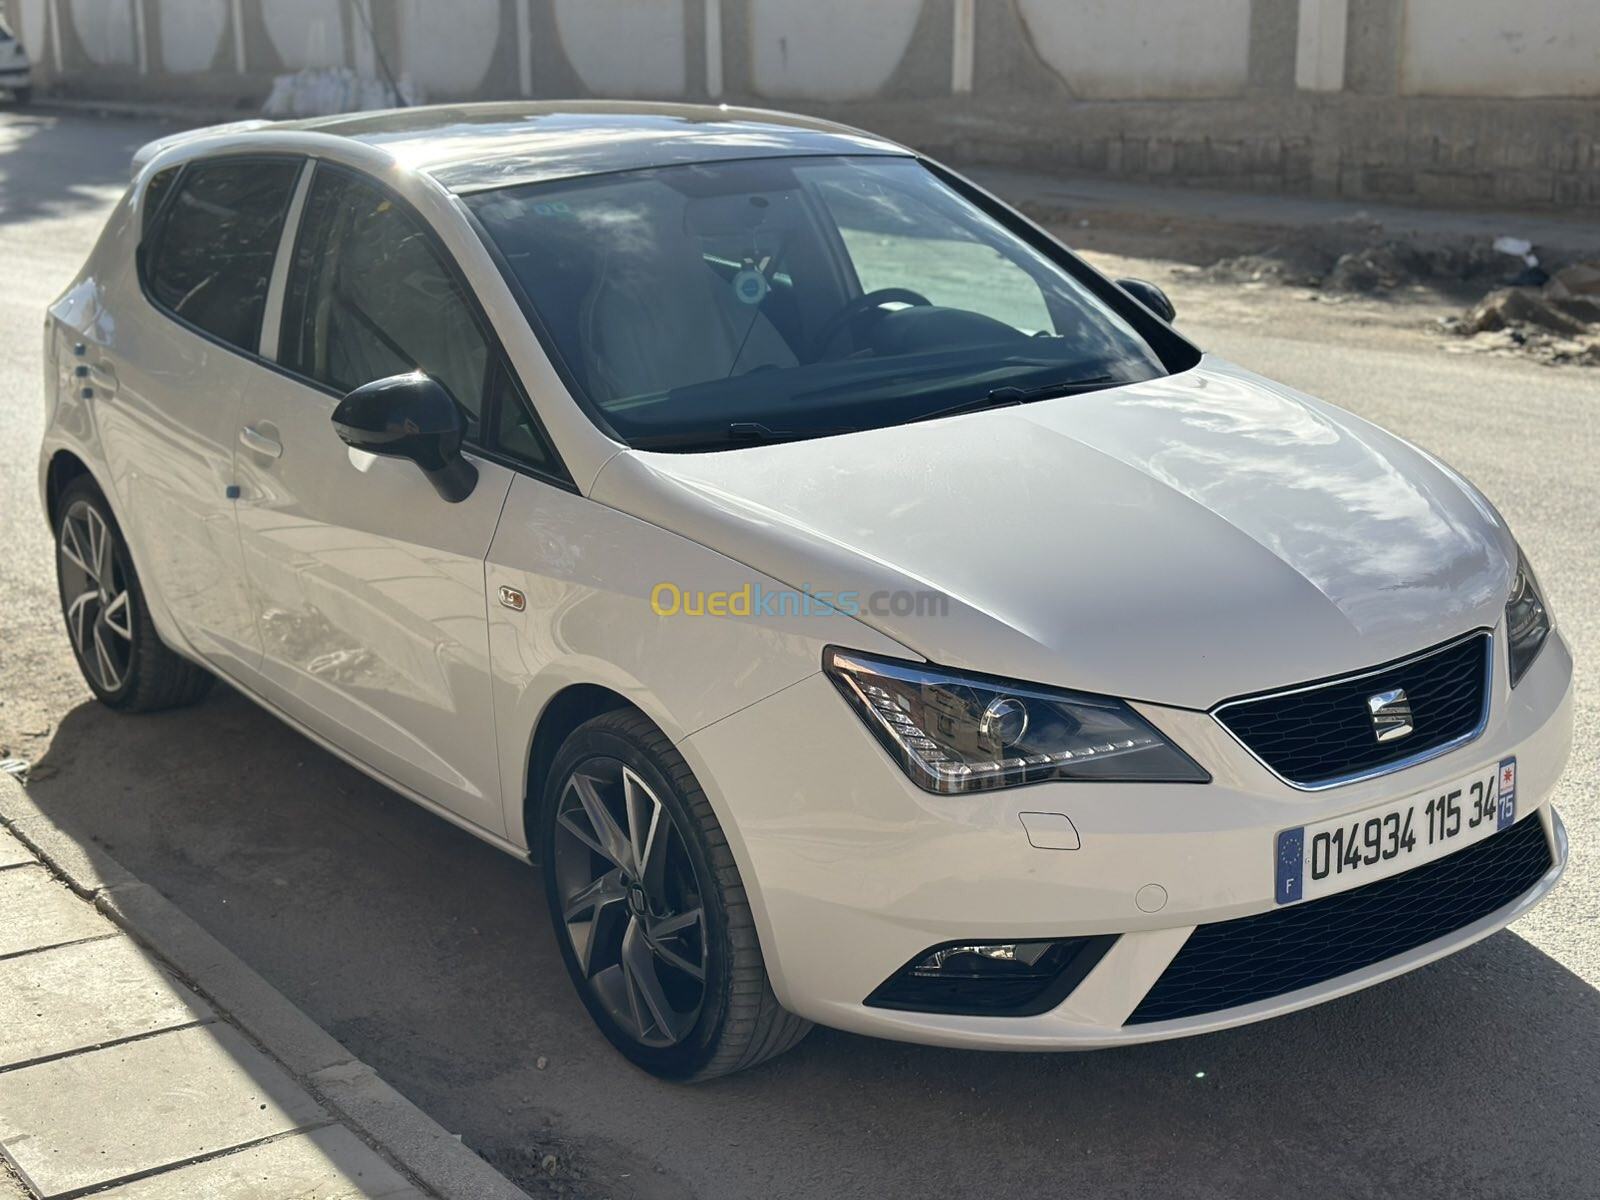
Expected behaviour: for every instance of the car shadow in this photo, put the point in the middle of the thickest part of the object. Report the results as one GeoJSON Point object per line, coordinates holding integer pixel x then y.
{"type": "Point", "coordinates": [428, 953]}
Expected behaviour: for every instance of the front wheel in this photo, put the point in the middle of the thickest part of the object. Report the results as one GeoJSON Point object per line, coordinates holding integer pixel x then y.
{"type": "Point", "coordinates": [651, 915]}
{"type": "Point", "coordinates": [122, 658]}
{"type": "Point", "coordinates": [22, 96]}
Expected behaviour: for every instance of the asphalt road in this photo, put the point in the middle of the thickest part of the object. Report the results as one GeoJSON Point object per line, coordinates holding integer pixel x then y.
{"type": "Point", "coordinates": [427, 953]}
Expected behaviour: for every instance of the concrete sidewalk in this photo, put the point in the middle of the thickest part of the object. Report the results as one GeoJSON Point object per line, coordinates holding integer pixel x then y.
{"type": "Point", "coordinates": [116, 1074]}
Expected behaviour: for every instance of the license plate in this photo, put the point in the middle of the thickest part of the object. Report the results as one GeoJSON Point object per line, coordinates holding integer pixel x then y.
{"type": "Point", "coordinates": [1346, 852]}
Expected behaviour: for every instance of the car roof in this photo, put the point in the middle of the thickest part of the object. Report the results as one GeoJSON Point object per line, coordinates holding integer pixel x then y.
{"type": "Point", "coordinates": [472, 147]}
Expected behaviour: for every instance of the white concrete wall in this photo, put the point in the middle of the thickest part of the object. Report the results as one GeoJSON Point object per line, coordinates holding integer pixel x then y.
{"type": "Point", "coordinates": [1320, 45]}
{"type": "Point", "coordinates": [1495, 48]}
{"type": "Point", "coordinates": [446, 47]}
{"type": "Point", "coordinates": [833, 50]}
{"type": "Point", "coordinates": [625, 48]}
{"type": "Point", "coordinates": [306, 33]}
{"type": "Point", "coordinates": [191, 34]}
{"type": "Point", "coordinates": [1139, 49]}
{"type": "Point", "coordinates": [106, 30]}
{"type": "Point", "coordinates": [828, 49]}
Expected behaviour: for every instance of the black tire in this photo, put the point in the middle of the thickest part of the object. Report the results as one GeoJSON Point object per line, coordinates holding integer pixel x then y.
{"type": "Point", "coordinates": [22, 97]}
{"type": "Point", "coordinates": [153, 676]}
{"type": "Point", "coordinates": [739, 1022]}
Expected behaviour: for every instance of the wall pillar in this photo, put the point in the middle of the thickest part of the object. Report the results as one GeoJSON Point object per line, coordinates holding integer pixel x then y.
{"type": "Point", "coordinates": [1372, 46]}
{"type": "Point", "coordinates": [1273, 29]}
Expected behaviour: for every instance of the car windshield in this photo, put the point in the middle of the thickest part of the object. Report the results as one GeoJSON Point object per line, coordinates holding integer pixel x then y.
{"type": "Point", "coordinates": [702, 306]}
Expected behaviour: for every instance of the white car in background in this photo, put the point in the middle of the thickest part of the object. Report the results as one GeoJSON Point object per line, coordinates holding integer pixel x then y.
{"type": "Point", "coordinates": [16, 73]}
{"type": "Point", "coordinates": [863, 611]}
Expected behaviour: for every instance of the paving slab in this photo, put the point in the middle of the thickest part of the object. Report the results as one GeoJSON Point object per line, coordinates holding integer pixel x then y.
{"type": "Point", "coordinates": [92, 1118]}
{"type": "Point", "coordinates": [81, 996]}
{"type": "Point", "coordinates": [325, 1164]}
{"type": "Point", "coordinates": [36, 912]}
{"type": "Point", "coordinates": [13, 852]}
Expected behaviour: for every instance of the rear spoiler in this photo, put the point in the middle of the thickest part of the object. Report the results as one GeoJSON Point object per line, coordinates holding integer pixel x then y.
{"type": "Point", "coordinates": [150, 149]}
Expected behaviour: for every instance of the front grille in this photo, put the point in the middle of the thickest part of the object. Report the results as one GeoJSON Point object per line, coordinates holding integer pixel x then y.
{"type": "Point", "coordinates": [1238, 962]}
{"type": "Point", "coordinates": [1323, 733]}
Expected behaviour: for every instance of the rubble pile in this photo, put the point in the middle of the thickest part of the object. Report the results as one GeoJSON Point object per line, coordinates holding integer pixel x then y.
{"type": "Point", "coordinates": [1524, 310]}
{"type": "Point", "coordinates": [1375, 269]}
{"type": "Point", "coordinates": [1558, 321]}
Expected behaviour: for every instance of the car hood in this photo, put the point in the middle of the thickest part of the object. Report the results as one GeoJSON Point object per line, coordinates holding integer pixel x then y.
{"type": "Point", "coordinates": [1179, 541]}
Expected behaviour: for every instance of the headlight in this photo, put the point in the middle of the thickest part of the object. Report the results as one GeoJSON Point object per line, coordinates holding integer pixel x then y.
{"type": "Point", "coordinates": [1527, 620]}
{"type": "Point", "coordinates": [966, 733]}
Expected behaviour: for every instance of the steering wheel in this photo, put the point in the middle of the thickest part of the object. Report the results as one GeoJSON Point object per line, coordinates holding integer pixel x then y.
{"type": "Point", "coordinates": [860, 306]}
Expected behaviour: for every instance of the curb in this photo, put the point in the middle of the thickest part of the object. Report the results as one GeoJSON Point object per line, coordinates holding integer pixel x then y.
{"type": "Point", "coordinates": [183, 114]}
{"type": "Point", "coordinates": [392, 1125]}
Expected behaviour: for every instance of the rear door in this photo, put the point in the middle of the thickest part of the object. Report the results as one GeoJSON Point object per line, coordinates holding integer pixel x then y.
{"type": "Point", "coordinates": [369, 587]}
{"type": "Point", "coordinates": [169, 374]}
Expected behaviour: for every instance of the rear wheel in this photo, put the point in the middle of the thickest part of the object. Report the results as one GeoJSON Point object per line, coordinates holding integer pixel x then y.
{"type": "Point", "coordinates": [22, 96]}
{"type": "Point", "coordinates": [122, 658]}
{"type": "Point", "coordinates": [649, 910]}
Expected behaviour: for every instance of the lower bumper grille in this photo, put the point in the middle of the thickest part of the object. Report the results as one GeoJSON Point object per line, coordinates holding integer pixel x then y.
{"type": "Point", "coordinates": [1232, 963]}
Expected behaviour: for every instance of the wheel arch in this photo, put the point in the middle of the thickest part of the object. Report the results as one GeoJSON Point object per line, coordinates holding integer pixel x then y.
{"type": "Point", "coordinates": [64, 468]}
{"type": "Point", "coordinates": [561, 715]}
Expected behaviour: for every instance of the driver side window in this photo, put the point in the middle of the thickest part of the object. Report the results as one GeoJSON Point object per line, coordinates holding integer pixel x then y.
{"type": "Point", "coordinates": [896, 241]}
{"type": "Point", "coordinates": [371, 296]}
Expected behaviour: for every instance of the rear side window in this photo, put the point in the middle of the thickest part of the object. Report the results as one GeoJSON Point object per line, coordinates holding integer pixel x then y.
{"type": "Point", "coordinates": [154, 193]}
{"type": "Point", "coordinates": [370, 295]}
{"type": "Point", "coordinates": [209, 259]}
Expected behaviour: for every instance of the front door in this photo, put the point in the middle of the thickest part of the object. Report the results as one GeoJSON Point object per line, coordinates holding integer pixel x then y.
{"type": "Point", "coordinates": [369, 587]}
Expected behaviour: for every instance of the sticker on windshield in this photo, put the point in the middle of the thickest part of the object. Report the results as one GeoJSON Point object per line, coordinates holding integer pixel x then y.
{"type": "Point", "coordinates": [750, 285]}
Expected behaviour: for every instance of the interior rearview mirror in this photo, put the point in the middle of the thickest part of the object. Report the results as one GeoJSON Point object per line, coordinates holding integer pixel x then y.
{"type": "Point", "coordinates": [1152, 297]}
{"type": "Point", "coordinates": [412, 417]}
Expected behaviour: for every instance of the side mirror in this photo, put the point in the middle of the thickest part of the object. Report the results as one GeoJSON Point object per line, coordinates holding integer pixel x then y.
{"type": "Point", "coordinates": [1152, 297]}
{"type": "Point", "coordinates": [412, 417]}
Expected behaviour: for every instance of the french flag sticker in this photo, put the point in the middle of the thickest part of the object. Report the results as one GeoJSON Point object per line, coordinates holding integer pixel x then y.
{"type": "Point", "coordinates": [1508, 793]}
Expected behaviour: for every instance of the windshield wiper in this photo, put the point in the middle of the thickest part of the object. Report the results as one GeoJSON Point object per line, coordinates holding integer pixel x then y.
{"type": "Point", "coordinates": [755, 431]}
{"type": "Point", "coordinates": [1005, 396]}
{"type": "Point", "coordinates": [738, 433]}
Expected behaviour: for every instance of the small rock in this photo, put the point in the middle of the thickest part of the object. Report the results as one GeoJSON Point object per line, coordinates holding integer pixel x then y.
{"type": "Point", "coordinates": [548, 1164]}
{"type": "Point", "coordinates": [541, 1062]}
{"type": "Point", "coordinates": [1580, 279]}
{"type": "Point", "coordinates": [1507, 308]}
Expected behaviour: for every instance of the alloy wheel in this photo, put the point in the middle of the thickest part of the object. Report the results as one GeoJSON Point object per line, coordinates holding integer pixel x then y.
{"type": "Point", "coordinates": [95, 595]}
{"type": "Point", "coordinates": [631, 903]}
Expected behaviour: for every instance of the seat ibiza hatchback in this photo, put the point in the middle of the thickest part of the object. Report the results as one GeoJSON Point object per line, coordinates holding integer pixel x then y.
{"type": "Point", "coordinates": [863, 611]}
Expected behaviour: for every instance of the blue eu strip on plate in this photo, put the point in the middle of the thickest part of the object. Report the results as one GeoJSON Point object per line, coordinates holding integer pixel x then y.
{"type": "Point", "coordinates": [1291, 861]}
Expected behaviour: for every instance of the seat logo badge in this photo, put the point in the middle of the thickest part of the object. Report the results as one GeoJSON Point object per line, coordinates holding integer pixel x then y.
{"type": "Point", "coordinates": [1391, 715]}
{"type": "Point", "coordinates": [516, 602]}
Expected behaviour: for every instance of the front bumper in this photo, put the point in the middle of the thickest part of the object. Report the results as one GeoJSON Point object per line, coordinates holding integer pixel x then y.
{"type": "Point", "coordinates": [13, 78]}
{"type": "Point", "coordinates": [852, 871]}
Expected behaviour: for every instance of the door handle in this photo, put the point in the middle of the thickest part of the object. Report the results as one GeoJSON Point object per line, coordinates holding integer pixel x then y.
{"type": "Point", "coordinates": [252, 438]}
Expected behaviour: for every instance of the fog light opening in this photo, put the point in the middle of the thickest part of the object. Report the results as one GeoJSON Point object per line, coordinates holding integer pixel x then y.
{"type": "Point", "coordinates": [992, 978]}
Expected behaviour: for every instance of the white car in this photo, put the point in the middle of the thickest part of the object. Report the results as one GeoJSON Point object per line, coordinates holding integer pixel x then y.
{"type": "Point", "coordinates": [865, 612]}
{"type": "Point", "coordinates": [16, 72]}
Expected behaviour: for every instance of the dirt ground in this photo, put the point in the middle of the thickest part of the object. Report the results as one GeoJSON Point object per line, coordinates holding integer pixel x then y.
{"type": "Point", "coordinates": [1325, 283]}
